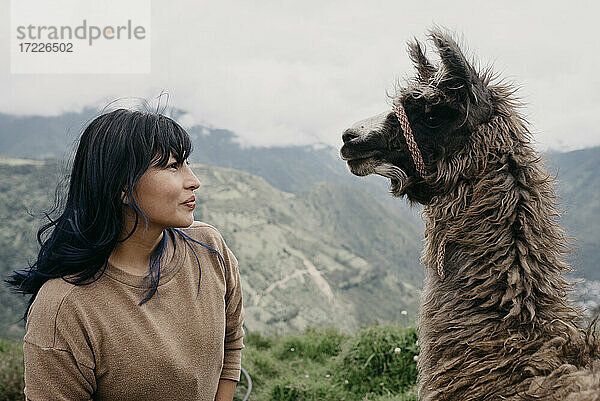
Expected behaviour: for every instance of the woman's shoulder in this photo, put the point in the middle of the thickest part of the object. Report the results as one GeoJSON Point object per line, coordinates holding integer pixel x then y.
{"type": "Point", "coordinates": [200, 230]}
{"type": "Point", "coordinates": [200, 225]}
{"type": "Point", "coordinates": [57, 320]}
{"type": "Point", "coordinates": [54, 297]}
{"type": "Point", "coordinates": [52, 294]}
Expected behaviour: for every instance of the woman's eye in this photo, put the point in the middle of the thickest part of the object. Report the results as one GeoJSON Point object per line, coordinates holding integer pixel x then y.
{"type": "Point", "coordinates": [176, 165]}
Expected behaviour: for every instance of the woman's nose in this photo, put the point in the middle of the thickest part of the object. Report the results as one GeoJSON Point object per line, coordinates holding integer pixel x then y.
{"type": "Point", "coordinates": [193, 181]}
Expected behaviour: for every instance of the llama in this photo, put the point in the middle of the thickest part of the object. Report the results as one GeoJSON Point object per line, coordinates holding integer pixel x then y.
{"type": "Point", "coordinates": [494, 320]}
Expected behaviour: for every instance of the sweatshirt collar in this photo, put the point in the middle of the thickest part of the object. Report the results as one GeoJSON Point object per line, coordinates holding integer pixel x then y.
{"type": "Point", "coordinates": [166, 272]}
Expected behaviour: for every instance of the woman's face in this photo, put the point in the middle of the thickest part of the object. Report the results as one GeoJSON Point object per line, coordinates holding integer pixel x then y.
{"type": "Point", "coordinates": [166, 195]}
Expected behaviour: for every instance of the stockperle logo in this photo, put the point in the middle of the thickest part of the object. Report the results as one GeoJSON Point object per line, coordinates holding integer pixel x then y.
{"type": "Point", "coordinates": [80, 37]}
{"type": "Point", "coordinates": [85, 31]}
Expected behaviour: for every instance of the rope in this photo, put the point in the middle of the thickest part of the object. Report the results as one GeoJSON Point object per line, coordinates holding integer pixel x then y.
{"type": "Point", "coordinates": [441, 255]}
{"type": "Point", "coordinates": [410, 140]}
{"type": "Point", "coordinates": [249, 384]}
{"type": "Point", "coordinates": [417, 158]}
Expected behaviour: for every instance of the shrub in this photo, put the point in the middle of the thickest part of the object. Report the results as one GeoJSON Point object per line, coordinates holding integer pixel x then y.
{"type": "Point", "coordinates": [287, 392]}
{"type": "Point", "coordinates": [290, 390]}
{"type": "Point", "coordinates": [410, 395]}
{"type": "Point", "coordinates": [370, 363]}
{"type": "Point", "coordinates": [261, 367]}
{"type": "Point", "coordinates": [316, 345]}
{"type": "Point", "coordinates": [256, 340]}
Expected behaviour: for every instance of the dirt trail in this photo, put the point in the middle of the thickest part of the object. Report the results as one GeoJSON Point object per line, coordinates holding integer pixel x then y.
{"type": "Point", "coordinates": [311, 270]}
{"type": "Point", "coordinates": [319, 279]}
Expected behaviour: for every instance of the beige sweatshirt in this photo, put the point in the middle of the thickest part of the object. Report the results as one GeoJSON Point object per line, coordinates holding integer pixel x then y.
{"type": "Point", "coordinates": [95, 342]}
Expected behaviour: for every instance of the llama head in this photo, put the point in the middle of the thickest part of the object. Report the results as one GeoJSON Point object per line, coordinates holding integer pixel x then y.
{"type": "Point", "coordinates": [445, 105]}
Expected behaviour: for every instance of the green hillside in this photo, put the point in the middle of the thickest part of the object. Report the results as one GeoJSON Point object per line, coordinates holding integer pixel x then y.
{"type": "Point", "coordinates": [37, 137]}
{"type": "Point", "coordinates": [328, 256]}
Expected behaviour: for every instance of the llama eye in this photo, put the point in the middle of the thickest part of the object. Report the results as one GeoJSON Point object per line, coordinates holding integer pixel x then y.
{"type": "Point", "coordinates": [432, 121]}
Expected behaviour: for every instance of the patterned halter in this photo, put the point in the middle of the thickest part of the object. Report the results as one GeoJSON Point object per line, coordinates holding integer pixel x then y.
{"type": "Point", "coordinates": [410, 140]}
{"type": "Point", "coordinates": [420, 166]}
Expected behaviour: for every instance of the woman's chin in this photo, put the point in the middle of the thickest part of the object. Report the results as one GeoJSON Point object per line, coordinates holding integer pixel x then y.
{"type": "Point", "coordinates": [186, 222]}
{"type": "Point", "coordinates": [181, 221]}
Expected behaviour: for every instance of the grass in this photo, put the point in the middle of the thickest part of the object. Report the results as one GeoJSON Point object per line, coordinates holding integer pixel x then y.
{"type": "Point", "coordinates": [11, 370]}
{"type": "Point", "coordinates": [380, 361]}
{"type": "Point", "coordinates": [375, 364]}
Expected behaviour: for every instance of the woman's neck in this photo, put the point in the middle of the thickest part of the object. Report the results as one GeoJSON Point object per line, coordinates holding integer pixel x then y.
{"type": "Point", "coordinates": [133, 255]}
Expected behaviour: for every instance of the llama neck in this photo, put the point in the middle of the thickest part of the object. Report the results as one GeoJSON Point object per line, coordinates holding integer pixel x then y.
{"type": "Point", "coordinates": [500, 234]}
{"type": "Point", "coordinates": [503, 288]}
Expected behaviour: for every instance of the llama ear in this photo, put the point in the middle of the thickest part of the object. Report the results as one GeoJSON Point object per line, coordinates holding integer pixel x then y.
{"type": "Point", "coordinates": [457, 74]}
{"type": "Point", "coordinates": [424, 68]}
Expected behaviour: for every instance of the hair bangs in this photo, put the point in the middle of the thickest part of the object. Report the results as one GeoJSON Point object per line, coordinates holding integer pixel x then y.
{"type": "Point", "coordinates": [169, 139]}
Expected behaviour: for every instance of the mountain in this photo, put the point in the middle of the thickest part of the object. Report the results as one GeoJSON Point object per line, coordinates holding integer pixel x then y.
{"type": "Point", "coordinates": [296, 169]}
{"type": "Point", "coordinates": [328, 256]}
{"type": "Point", "coordinates": [578, 188]}
{"type": "Point", "coordinates": [291, 169]}
{"type": "Point", "coordinates": [38, 137]}
{"type": "Point", "coordinates": [302, 226]}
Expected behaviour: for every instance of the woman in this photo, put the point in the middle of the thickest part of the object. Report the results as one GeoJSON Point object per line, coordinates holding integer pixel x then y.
{"type": "Point", "coordinates": [125, 306]}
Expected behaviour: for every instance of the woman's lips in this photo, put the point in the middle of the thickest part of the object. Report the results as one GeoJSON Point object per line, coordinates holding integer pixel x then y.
{"type": "Point", "coordinates": [190, 204]}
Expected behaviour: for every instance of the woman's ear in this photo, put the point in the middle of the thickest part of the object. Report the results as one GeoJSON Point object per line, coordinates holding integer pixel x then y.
{"type": "Point", "coordinates": [124, 197]}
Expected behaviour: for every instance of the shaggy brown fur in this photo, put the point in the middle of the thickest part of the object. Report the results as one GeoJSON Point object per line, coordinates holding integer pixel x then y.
{"type": "Point", "coordinates": [497, 324]}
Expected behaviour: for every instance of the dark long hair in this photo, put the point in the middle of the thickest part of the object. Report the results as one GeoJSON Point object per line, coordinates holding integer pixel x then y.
{"type": "Point", "coordinates": [113, 153]}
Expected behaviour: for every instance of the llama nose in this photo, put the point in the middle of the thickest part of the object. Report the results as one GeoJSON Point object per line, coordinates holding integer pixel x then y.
{"type": "Point", "coordinates": [349, 135]}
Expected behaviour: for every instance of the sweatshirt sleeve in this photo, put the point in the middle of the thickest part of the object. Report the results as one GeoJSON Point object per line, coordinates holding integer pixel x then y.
{"type": "Point", "coordinates": [55, 374]}
{"type": "Point", "coordinates": [59, 363]}
{"type": "Point", "coordinates": [234, 311]}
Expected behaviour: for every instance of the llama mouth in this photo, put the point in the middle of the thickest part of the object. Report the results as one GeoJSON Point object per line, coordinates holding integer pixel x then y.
{"type": "Point", "coordinates": [359, 160]}
{"type": "Point", "coordinates": [349, 154]}
{"type": "Point", "coordinates": [363, 166]}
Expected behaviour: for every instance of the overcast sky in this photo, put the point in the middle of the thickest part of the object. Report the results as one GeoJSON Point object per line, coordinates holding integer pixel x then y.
{"type": "Point", "coordinates": [278, 72]}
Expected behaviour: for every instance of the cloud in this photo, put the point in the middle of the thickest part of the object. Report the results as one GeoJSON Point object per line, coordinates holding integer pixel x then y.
{"type": "Point", "coordinates": [297, 73]}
